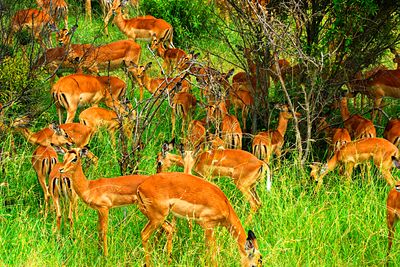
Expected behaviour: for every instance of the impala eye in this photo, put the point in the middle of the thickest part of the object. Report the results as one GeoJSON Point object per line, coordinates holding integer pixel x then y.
{"type": "Point", "coordinates": [74, 160]}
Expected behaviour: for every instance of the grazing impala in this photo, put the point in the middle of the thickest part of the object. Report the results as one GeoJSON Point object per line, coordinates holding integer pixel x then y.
{"type": "Point", "coordinates": [188, 196]}
{"type": "Point", "coordinates": [77, 89]}
{"type": "Point", "coordinates": [157, 86]}
{"type": "Point", "coordinates": [39, 22]}
{"type": "Point", "coordinates": [183, 105]}
{"type": "Point", "coordinates": [57, 9]}
{"type": "Point", "coordinates": [358, 126]}
{"type": "Point", "coordinates": [245, 169]}
{"type": "Point", "coordinates": [381, 151]}
{"type": "Point", "coordinates": [105, 57]}
{"type": "Point", "coordinates": [96, 117]}
{"type": "Point", "coordinates": [384, 83]}
{"type": "Point", "coordinates": [392, 213]}
{"type": "Point", "coordinates": [43, 160]}
{"type": "Point", "coordinates": [101, 194]}
{"type": "Point", "coordinates": [53, 134]}
{"type": "Point", "coordinates": [152, 29]}
{"type": "Point", "coordinates": [266, 143]}
{"type": "Point", "coordinates": [392, 132]}
{"type": "Point", "coordinates": [335, 137]}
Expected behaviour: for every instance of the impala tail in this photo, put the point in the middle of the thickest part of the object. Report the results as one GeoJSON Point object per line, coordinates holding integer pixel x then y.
{"type": "Point", "coordinates": [396, 142]}
{"type": "Point", "coordinates": [396, 162]}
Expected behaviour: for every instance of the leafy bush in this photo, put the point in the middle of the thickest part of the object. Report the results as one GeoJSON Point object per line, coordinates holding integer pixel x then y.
{"type": "Point", "coordinates": [191, 19]}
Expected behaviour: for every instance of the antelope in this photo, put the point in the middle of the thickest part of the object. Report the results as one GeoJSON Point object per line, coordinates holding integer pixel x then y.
{"type": "Point", "coordinates": [54, 134]}
{"type": "Point", "coordinates": [381, 151]}
{"type": "Point", "coordinates": [96, 117]}
{"type": "Point", "coordinates": [105, 57]}
{"type": "Point", "coordinates": [243, 100]}
{"type": "Point", "coordinates": [101, 194]}
{"type": "Point", "coordinates": [174, 58]}
{"type": "Point", "coordinates": [44, 158]}
{"type": "Point", "coordinates": [76, 89]}
{"type": "Point", "coordinates": [39, 22]}
{"type": "Point", "coordinates": [392, 213]}
{"type": "Point", "coordinates": [178, 193]}
{"type": "Point", "coordinates": [266, 143]}
{"type": "Point", "coordinates": [60, 185]}
{"type": "Point", "coordinates": [231, 132]}
{"type": "Point", "coordinates": [58, 135]}
{"type": "Point", "coordinates": [197, 137]}
{"type": "Point", "coordinates": [358, 126]}
{"type": "Point", "coordinates": [183, 104]}
{"type": "Point", "coordinates": [156, 86]}
{"type": "Point", "coordinates": [392, 132]}
{"type": "Point", "coordinates": [155, 30]}
{"type": "Point", "coordinates": [57, 9]}
{"type": "Point", "coordinates": [384, 83]}
{"type": "Point", "coordinates": [335, 137]}
{"type": "Point", "coordinates": [244, 168]}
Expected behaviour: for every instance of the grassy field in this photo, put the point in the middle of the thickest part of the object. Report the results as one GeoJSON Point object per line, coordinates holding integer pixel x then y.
{"type": "Point", "coordinates": [342, 225]}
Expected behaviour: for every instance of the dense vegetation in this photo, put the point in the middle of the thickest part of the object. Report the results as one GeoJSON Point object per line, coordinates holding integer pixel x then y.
{"type": "Point", "coordinates": [342, 224]}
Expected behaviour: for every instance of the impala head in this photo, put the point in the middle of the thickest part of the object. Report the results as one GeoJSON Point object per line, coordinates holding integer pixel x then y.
{"type": "Point", "coordinates": [163, 162]}
{"type": "Point", "coordinates": [316, 170]}
{"type": "Point", "coordinates": [72, 159]}
{"type": "Point", "coordinates": [63, 36]}
{"type": "Point", "coordinates": [286, 112]}
{"type": "Point", "coordinates": [253, 256]}
{"type": "Point", "coordinates": [139, 72]}
{"type": "Point", "coordinates": [60, 137]}
{"type": "Point", "coordinates": [189, 158]}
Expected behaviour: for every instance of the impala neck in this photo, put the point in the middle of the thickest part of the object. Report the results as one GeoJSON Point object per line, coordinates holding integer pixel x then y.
{"type": "Point", "coordinates": [236, 229]}
{"type": "Point", "coordinates": [282, 124]}
{"type": "Point", "coordinates": [161, 50]}
{"type": "Point", "coordinates": [119, 20]}
{"type": "Point", "coordinates": [146, 80]}
{"type": "Point", "coordinates": [79, 181]}
{"type": "Point", "coordinates": [344, 110]}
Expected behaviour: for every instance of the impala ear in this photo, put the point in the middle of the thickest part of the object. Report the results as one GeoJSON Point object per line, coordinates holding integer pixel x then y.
{"type": "Point", "coordinates": [195, 56]}
{"type": "Point", "coordinates": [83, 152]}
{"type": "Point", "coordinates": [182, 150]}
{"type": "Point", "coordinates": [251, 242]}
{"type": "Point", "coordinates": [59, 149]}
{"type": "Point", "coordinates": [148, 65]}
{"type": "Point", "coordinates": [55, 127]}
{"type": "Point", "coordinates": [229, 74]}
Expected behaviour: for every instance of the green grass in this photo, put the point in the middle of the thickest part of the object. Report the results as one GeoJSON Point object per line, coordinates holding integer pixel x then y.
{"type": "Point", "coordinates": [343, 224]}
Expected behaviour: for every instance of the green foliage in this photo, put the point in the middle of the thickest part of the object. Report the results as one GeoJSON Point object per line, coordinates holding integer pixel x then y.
{"type": "Point", "coordinates": [191, 20]}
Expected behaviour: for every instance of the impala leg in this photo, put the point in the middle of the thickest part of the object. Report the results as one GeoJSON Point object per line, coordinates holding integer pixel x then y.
{"type": "Point", "coordinates": [210, 243]}
{"type": "Point", "coordinates": [88, 7]}
{"type": "Point", "coordinates": [391, 222]}
{"type": "Point", "coordinates": [254, 204]}
{"type": "Point", "coordinates": [244, 118]}
{"type": "Point", "coordinates": [42, 181]}
{"type": "Point", "coordinates": [146, 233]}
{"type": "Point", "coordinates": [377, 104]}
{"type": "Point", "coordinates": [56, 202]}
{"type": "Point", "coordinates": [349, 170]}
{"type": "Point", "coordinates": [173, 121]}
{"type": "Point", "coordinates": [278, 154]}
{"type": "Point", "coordinates": [70, 114]}
{"type": "Point", "coordinates": [103, 224]}
{"type": "Point", "coordinates": [388, 176]}
{"type": "Point", "coordinates": [169, 230]}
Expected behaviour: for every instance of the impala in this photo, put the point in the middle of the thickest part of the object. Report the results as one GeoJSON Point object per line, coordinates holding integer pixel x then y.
{"type": "Point", "coordinates": [188, 196]}
{"type": "Point", "coordinates": [245, 169]}
{"type": "Point", "coordinates": [183, 105]}
{"type": "Point", "coordinates": [392, 132]}
{"type": "Point", "coordinates": [392, 213]}
{"type": "Point", "coordinates": [243, 100]}
{"type": "Point", "coordinates": [384, 83]}
{"type": "Point", "coordinates": [78, 89]}
{"type": "Point", "coordinates": [43, 160]}
{"type": "Point", "coordinates": [105, 57]}
{"type": "Point", "coordinates": [157, 86]}
{"type": "Point", "coordinates": [58, 135]}
{"type": "Point", "coordinates": [39, 22]}
{"type": "Point", "coordinates": [53, 134]}
{"type": "Point", "coordinates": [154, 30]}
{"type": "Point", "coordinates": [231, 132]}
{"type": "Point", "coordinates": [266, 143]}
{"type": "Point", "coordinates": [383, 153]}
{"type": "Point", "coordinates": [101, 194]}
{"type": "Point", "coordinates": [57, 9]}
{"type": "Point", "coordinates": [96, 117]}
{"type": "Point", "coordinates": [358, 126]}
{"type": "Point", "coordinates": [174, 58]}
{"type": "Point", "coordinates": [60, 185]}
{"type": "Point", "coordinates": [335, 137]}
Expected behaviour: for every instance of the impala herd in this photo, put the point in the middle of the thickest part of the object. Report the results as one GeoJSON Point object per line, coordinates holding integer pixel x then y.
{"type": "Point", "coordinates": [202, 152]}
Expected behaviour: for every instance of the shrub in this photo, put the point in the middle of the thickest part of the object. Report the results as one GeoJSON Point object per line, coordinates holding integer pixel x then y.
{"type": "Point", "coordinates": [191, 20]}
